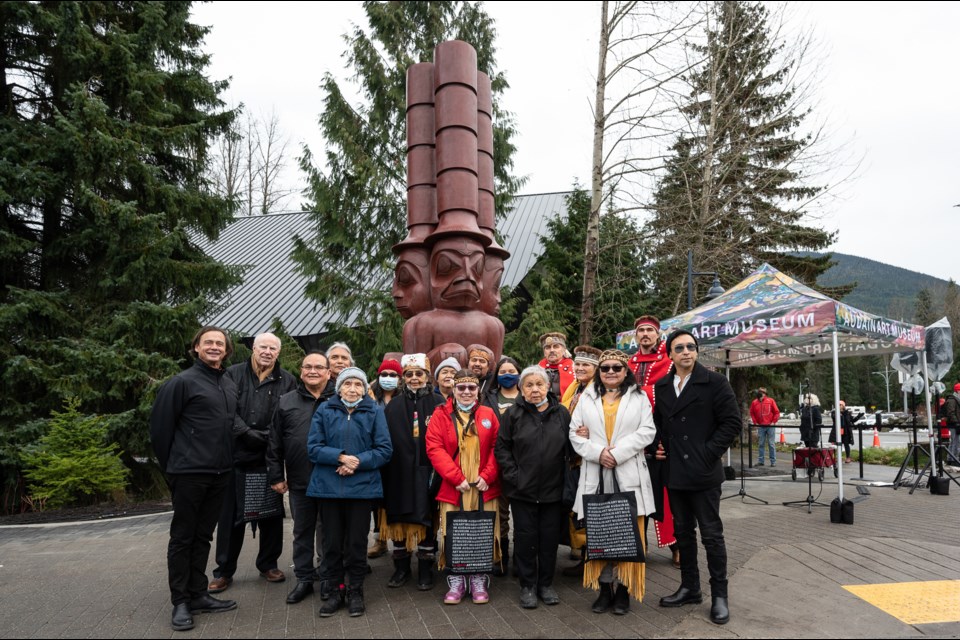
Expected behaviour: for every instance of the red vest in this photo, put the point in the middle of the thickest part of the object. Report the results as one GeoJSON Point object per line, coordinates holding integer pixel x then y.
{"type": "Point", "coordinates": [657, 366]}
{"type": "Point", "coordinates": [565, 368]}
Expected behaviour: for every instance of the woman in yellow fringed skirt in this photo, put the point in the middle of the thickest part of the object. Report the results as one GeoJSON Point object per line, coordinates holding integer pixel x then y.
{"type": "Point", "coordinates": [610, 427]}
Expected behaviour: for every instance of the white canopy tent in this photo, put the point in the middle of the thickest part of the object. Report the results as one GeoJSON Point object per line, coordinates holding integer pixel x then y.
{"type": "Point", "coordinates": [770, 318]}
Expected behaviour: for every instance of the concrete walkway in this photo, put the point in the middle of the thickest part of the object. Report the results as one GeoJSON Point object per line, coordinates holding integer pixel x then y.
{"type": "Point", "coordinates": [788, 573]}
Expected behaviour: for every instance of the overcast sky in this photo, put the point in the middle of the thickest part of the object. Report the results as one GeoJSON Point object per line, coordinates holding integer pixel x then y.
{"type": "Point", "coordinates": [889, 90]}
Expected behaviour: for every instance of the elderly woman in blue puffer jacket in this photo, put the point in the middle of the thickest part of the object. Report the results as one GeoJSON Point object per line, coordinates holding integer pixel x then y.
{"type": "Point", "coordinates": [348, 443]}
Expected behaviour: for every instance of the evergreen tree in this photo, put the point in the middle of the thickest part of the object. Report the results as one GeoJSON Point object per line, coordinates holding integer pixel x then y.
{"type": "Point", "coordinates": [925, 311]}
{"type": "Point", "coordinates": [551, 295]}
{"type": "Point", "coordinates": [358, 200]}
{"type": "Point", "coordinates": [105, 117]}
{"type": "Point", "coordinates": [734, 189]}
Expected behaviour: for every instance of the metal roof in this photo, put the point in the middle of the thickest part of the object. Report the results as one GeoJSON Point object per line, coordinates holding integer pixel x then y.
{"type": "Point", "coordinates": [272, 287]}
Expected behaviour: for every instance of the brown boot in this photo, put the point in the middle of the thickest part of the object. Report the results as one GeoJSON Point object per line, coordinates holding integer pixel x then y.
{"type": "Point", "coordinates": [676, 556]}
{"type": "Point", "coordinates": [378, 549]}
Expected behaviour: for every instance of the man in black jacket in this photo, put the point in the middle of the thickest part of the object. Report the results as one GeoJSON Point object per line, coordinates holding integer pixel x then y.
{"type": "Point", "coordinates": [260, 383]}
{"type": "Point", "coordinates": [190, 429]}
{"type": "Point", "coordinates": [288, 447]}
{"type": "Point", "coordinates": [697, 417]}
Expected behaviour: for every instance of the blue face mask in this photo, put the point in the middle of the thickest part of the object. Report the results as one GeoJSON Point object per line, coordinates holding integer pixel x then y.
{"type": "Point", "coordinates": [540, 404]}
{"type": "Point", "coordinates": [467, 408]}
{"type": "Point", "coordinates": [351, 405]}
{"type": "Point", "coordinates": [508, 380]}
{"type": "Point", "coordinates": [389, 383]}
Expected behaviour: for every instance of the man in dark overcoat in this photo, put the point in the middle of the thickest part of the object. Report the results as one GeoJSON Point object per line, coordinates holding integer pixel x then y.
{"type": "Point", "coordinates": [697, 417]}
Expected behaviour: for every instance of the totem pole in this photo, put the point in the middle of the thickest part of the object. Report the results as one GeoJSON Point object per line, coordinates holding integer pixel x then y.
{"type": "Point", "coordinates": [447, 279]}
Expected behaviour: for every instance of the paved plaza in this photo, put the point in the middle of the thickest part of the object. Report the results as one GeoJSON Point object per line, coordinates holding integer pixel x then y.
{"type": "Point", "coordinates": [792, 574]}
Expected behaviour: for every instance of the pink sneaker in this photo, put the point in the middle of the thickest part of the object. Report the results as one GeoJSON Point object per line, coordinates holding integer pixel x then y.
{"type": "Point", "coordinates": [458, 588]}
{"type": "Point", "coordinates": [478, 588]}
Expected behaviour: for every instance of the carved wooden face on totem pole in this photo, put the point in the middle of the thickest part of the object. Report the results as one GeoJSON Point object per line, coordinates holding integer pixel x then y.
{"type": "Point", "coordinates": [456, 273]}
{"type": "Point", "coordinates": [411, 281]}
{"type": "Point", "coordinates": [492, 274]}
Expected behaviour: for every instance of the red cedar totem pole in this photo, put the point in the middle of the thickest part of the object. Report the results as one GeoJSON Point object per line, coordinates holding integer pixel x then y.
{"type": "Point", "coordinates": [447, 279]}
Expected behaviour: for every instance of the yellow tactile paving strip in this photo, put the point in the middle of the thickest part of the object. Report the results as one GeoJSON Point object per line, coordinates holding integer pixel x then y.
{"type": "Point", "coordinates": [914, 602]}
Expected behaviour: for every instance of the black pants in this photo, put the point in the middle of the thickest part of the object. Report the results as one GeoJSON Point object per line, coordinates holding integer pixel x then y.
{"type": "Point", "coordinates": [230, 538]}
{"type": "Point", "coordinates": [690, 510]}
{"type": "Point", "coordinates": [307, 534]}
{"type": "Point", "coordinates": [536, 536]}
{"type": "Point", "coordinates": [346, 526]}
{"type": "Point", "coordinates": [197, 500]}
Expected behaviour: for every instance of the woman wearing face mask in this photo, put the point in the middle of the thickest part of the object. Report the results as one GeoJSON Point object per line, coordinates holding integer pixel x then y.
{"type": "Point", "coordinates": [408, 507]}
{"type": "Point", "coordinates": [383, 389]}
{"type": "Point", "coordinates": [610, 427]}
{"type": "Point", "coordinates": [532, 449]}
{"type": "Point", "coordinates": [460, 444]}
{"type": "Point", "coordinates": [387, 384]}
{"type": "Point", "coordinates": [503, 393]}
{"type": "Point", "coordinates": [348, 443]}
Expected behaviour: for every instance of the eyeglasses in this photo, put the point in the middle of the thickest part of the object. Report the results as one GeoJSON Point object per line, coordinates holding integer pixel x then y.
{"type": "Point", "coordinates": [467, 388]}
{"type": "Point", "coordinates": [607, 368]}
{"type": "Point", "coordinates": [389, 374]}
{"type": "Point", "coordinates": [313, 367]}
{"type": "Point", "coordinates": [414, 374]}
{"type": "Point", "coordinates": [678, 348]}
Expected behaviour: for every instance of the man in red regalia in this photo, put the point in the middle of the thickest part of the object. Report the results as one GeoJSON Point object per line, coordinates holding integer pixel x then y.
{"type": "Point", "coordinates": [649, 364]}
{"type": "Point", "coordinates": [558, 364]}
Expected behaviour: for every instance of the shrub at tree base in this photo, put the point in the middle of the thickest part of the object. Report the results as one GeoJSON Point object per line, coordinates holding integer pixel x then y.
{"type": "Point", "coordinates": [72, 464]}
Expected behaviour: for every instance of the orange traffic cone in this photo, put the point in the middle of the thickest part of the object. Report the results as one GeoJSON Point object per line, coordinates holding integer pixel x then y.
{"type": "Point", "coordinates": [783, 439]}
{"type": "Point", "coordinates": [876, 439]}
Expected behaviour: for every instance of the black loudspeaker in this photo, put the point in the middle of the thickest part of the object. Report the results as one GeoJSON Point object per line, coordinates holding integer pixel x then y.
{"type": "Point", "coordinates": [841, 512]}
{"type": "Point", "coordinates": [940, 486]}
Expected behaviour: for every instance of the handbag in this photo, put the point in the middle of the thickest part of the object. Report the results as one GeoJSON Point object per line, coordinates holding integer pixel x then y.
{"type": "Point", "coordinates": [469, 539]}
{"type": "Point", "coordinates": [571, 481]}
{"type": "Point", "coordinates": [255, 499]}
{"type": "Point", "coordinates": [611, 523]}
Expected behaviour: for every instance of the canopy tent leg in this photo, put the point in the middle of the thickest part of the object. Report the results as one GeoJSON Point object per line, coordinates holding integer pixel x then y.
{"type": "Point", "coordinates": [836, 414]}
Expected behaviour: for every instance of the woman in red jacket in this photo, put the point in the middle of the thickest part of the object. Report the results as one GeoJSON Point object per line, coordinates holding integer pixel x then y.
{"type": "Point", "coordinates": [460, 442]}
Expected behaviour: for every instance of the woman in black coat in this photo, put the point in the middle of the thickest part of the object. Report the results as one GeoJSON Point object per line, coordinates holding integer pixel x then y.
{"type": "Point", "coordinates": [847, 420]}
{"type": "Point", "coordinates": [408, 507]}
{"type": "Point", "coordinates": [532, 451]}
{"type": "Point", "coordinates": [811, 420]}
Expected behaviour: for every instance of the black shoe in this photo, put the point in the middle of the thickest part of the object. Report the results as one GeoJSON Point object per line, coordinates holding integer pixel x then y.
{"type": "Point", "coordinates": [528, 598]}
{"type": "Point", "coordinates": [209, 604]}
{"type": "Point", "coordinates": [333, 603]}
{"type": "Point", "coordinates": [424, 574]}
{"type": "Point", "coordinates": [182, 620]}
{"type": "Point", "coordinates": [549, 595]}
{"type": "Point", "coordinates": [604, 600]}
{"type": "Point", "coordinates": [621, 601]}
{"type": "Point", "coordinates": [681, 597]}
{"type": "Point", "coordinates": [401, 574]}
{"type": "Point", "coordinates": [301, 591]}
{"type": "Point", "coordinates": [719, 612]}
{"type": "Point", "coordinates": [355, 601]}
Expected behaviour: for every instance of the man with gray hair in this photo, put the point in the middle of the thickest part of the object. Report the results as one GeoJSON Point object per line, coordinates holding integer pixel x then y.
{"type": "Point", "coordinates": [260, 383]}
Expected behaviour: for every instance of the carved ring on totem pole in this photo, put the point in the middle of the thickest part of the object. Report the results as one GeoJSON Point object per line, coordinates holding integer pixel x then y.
{"type": "Point", "coordinates": [449, 267]}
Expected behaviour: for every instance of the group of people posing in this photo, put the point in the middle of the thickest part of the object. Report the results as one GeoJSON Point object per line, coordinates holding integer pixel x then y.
{"type": "Point", "coordinates": [422, 441]}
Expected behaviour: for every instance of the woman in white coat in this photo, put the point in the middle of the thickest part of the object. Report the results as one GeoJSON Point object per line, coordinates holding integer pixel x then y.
{"type": "Point", "coordinates": [610, 427]}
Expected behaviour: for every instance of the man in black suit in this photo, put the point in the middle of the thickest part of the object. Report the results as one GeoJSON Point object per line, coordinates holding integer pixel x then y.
{"type": "Point", "coordinates": [697, 417]}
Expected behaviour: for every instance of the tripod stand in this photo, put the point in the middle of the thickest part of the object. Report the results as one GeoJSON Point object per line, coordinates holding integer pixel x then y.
{"type": "Point", "coordinates": [915, 450]}
{"type": "Point", "coordinates": [743, 488]}
{"type": "Point", "coordinates": [810, 502]}
{"type": "Point", "coordinates": [937, 459]}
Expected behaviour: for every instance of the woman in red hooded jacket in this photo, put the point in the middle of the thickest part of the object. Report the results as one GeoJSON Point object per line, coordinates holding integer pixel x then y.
{"type": "Point", "coordinates": [460, 444]}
